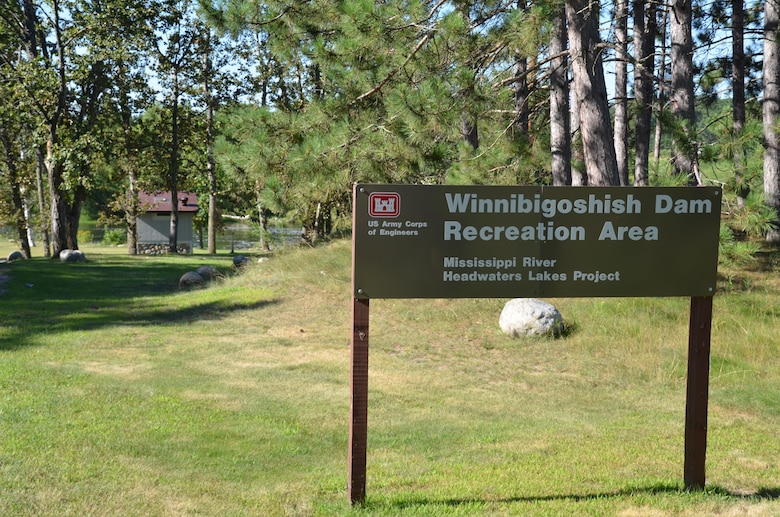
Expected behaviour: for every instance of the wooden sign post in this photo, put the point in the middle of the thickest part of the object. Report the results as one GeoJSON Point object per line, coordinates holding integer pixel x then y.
{"type": "Point", "coordinates": [697, 393]}
{"type": "Point", "coordinates": [358, 405]}
{"type": "Point", "coordinates": [414, 241]}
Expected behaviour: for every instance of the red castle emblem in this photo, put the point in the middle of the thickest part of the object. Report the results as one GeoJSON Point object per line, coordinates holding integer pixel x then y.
{"type": "Point", "coordinates": [384, 204]}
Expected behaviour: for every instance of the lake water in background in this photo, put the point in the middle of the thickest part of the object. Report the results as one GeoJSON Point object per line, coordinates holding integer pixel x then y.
{"type": "Point", "coordinates": [240, 235]}
{"type": "Point", "coordinates": [235, 235]}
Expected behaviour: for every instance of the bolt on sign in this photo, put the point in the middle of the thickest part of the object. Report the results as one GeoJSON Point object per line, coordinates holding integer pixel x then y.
{"type": "Point", "coordinates": [437, 241]}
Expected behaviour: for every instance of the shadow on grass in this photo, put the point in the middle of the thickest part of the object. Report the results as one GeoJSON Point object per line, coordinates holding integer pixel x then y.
{"type": "Point", "coordinates": [763, 494]}
{"type": "Point", "coordinates": [44, 296]}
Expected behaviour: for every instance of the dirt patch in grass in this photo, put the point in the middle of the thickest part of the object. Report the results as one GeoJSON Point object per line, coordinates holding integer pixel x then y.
{"type": "Point", "coordinates": [132, 371]}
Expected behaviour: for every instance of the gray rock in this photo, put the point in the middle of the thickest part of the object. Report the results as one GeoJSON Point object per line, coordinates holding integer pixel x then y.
{"type": "Point", "coordinates": [207, 272]}
{"type": "Point", "coordinates": [530, 317]}
{"type": "Point", "coordinates": [15, 255]}
{"type": "Point", "coordinates": [72, 256]}
{"type": "Point", "coordinates": [240, 260]}
{"type": "Point", "coordinates": [190, 279]}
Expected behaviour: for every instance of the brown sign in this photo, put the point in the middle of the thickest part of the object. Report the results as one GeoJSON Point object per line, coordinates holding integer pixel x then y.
{"type": "Point", "coordinates": [438, 241]}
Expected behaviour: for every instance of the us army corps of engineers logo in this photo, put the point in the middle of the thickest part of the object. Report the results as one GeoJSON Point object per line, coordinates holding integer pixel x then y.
{"type": "Point", "coordinates": [384, 204]}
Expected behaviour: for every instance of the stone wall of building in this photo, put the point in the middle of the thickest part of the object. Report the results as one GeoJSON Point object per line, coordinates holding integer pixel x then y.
{"type": "Point", "coordinates": [160, 249]}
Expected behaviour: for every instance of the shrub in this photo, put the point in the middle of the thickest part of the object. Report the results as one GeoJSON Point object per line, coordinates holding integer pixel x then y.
{"type": "Point", "coordinates": [114, 237]}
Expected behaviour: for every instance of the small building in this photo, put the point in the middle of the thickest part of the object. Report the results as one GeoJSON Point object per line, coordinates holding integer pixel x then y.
{"type": "Point", "coordinates": [153, 223]}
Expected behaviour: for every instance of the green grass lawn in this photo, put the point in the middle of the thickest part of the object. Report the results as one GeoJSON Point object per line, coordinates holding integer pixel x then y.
{"type": "Point", "coordinates": [122, 395]}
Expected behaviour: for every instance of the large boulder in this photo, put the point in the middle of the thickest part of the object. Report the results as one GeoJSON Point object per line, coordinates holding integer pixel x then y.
{"type": "Point", "coordinates": [72, 256]}
{"type": "Point", "coordinates": [530, 317]}
{"type": "Point", "coordinates": [15, 255]}
{"type": "Point", "coordinates": [190, 279]}
{"type": "Point", "coordinates": [240, 261]}
{"type": "Point", "coordinates": [207, 272]}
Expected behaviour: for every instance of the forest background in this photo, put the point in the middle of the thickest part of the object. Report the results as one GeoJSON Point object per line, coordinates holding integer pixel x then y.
{"type": "Point", "coordinates": [277, 108]}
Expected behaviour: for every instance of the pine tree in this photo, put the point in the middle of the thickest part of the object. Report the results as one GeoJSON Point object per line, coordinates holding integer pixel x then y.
{"type": "Point", "coordinates": [771, 110]}
{"type": "Point", "coordinates": [685, 157]}
{"type": "Point", "coordinates": [560, 116]}
{"type": "Point", "coordinates": [591, 92]}
{"type": "Point", "coordinates": [644, 48]}
{"type": "Point", "coordinates": [621, 90]}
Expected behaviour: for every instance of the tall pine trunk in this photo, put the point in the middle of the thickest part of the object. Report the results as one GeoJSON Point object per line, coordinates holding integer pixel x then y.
{"type": "Point", "coordinates": [591, 91]}
{"type": "Point", "coordinates": [521, 97]}
{"type": "Point", "coordinates": [645, 28]}
{"type": "Point", "coordinates": [738, 97]}
{"type": "Point", "coordinates": [661, 99]}
{"type": "Point", "coordinates": [173, 168]}
{"type": "Point", "coordinates": [560, 118]}
{"type": "Point", "coordinates": [621, 89]}
{"type": "Point", "coordinates": [685, 158]}
{"type": "Point", "coordinates": [210, 165]}
{"type": "Point", "coordinates": [771, 110]}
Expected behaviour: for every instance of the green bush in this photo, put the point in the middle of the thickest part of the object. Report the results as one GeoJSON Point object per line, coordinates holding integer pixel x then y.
{"type": "Point", "coordinates": [114, 237]}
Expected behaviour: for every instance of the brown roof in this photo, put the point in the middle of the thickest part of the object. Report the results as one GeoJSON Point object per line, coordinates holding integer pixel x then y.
{"type": "Point", "coordinates": [161, 201]}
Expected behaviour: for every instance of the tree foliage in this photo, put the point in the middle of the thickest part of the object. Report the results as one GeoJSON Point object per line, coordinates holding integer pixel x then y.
{"type": "Point", "coordinates": [302, 99]}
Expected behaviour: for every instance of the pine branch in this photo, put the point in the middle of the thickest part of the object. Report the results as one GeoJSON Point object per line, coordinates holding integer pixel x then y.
{"type": "Point", "coordinates": [389, 76]}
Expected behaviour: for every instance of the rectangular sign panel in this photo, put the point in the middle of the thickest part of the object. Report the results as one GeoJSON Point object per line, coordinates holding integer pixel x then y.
{"type": "Point", "coordinates": [439, 241]}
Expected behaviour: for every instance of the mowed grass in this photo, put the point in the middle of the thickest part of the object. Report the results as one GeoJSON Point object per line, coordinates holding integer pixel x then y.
{"type": "Point", "coordinates": [122, 395]}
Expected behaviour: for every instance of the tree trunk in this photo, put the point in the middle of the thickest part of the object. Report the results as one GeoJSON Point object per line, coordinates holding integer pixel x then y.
{"type": "Point", "coordinates": [521, 97]}
{"type": "Point", "coordinates": [74, 216]}
{"type": "Point", "coordinates": [470, 130]}
{"type": "Point", "coordinates": [644, 44]}
{"type": "Point", "coordinates": [685, 158]}
{"type": "Point", "coordinates": [560, 119]}
{"type": "Point", "coordinates": [591, 92]}
{"type": "Point", "coordinates": [16, 193]}
{"type": "Point", "coordinates": [54, 167]}
{"type": "Point", "coordinates": [210, 165]}
{"type": "Point", "coordinates": [661, 101]}
{"type": "Point", "coordinates": [771, 110]}
{"type": "Point", "coordinates": [32, 48]}
{"type": "Point", "coordinates": [621, 90]}
{"type": "Point", "coordinates": [578, 176]}
{"type": "Point", "coordinates": [131, 208]}
{"type": "Point", "coordinates": [59, 209]}
{"type": "Point", "coordinates": [28, 222]}
{"type": "Point", "coordinates": [40, 166]}
{"type": "Point", "coordinates": [130, 204]}
{"type": "Point", "coordinates": [173, 169]}
{"type": "Point", "coordinates": [262, 218]}
{"type": "Point", "coordinates": [738, 97]}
